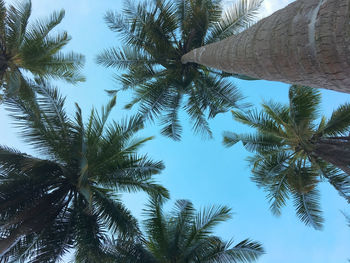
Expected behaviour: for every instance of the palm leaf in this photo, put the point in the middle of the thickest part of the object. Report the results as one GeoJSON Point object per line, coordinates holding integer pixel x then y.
{"type": "Point", "coordinates": [122, 58]}
{"type": "Point", "coordinates": [252, 142]}
{"type": "Point", "coordinates": [308, 208]}
{"type": "Point", "coordinates": [41, 28]}
{"type": "Point", "coordinates": [339, 122]}
{"type": "Point", "coordinates": [238, 17]}
{"type": "Point", "coordinates": [170, 121]}
{"type": "Point", "coordinates": [17, 21]}
{"type": "Point", "coordinates": [114, 214]}
{"type": "Point", "coordinates": [156, 225]}
{"type": "Point", "coordinates": [304, 103]}
{"type": "Point", "coordinates": [207, 219]}
{"type": "Point", "coordinates": [260, 121]}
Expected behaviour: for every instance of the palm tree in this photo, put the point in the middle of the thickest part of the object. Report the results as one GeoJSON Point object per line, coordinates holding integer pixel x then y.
{"type": "Point", "coordinates": [294, 154]}
{"type": "Point", "coordinates": [156, 35]}
{"type": "Point", "coordinates": [31, 48]}
{"type": "Point", "coordinates": [305, 43]}
{"type": "Point", "coordinates": [69, 197]}
{"type": "Point", "coordinates": [184, 236]}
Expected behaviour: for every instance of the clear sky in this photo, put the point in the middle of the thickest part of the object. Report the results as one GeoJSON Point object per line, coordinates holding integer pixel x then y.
{"type": "Point", "coordinates": [202, 171]}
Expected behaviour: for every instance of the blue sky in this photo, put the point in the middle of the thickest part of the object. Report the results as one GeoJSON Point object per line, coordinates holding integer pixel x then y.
{"type": "Point", "coordinates": [202, 171]}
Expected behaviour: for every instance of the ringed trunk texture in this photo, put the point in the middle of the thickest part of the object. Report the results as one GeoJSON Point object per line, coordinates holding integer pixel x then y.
{"type": "Point", "coordinates": [305, 43]}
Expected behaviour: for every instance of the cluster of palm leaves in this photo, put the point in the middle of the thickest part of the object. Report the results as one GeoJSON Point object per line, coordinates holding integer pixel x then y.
{"type": "Point", "coordinates": [70, 197]}
{"type": "Point", "coordinates": [31, 48]}
{"type": "Point", "coordinates": [156, 34]}
{"type": "Point", "coordinates": [183, 235]}
{"type": "Point", "coordinates": [67, 198]}
{"type": "Point", "coordinates": [294, 153]}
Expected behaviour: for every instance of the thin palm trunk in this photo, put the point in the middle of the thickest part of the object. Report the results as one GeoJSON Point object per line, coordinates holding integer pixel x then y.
{"type": "Point", "coordinates": [306, 43]}
{"type": "Point", "coordinates": [336, 152]}
{"type": "Point", "coordinates": [3, 66]}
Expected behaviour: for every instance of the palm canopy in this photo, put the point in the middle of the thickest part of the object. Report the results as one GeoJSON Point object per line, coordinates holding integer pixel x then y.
{"type": "Point", "coordinates": [156, 34]}
{"type": "Point", "coordinates": [71, 197]}
{"type": "Point", "coordinates": [31, 48]}
{"type": "Point", "coordinates": [184, 236]}
{"type": "Point", "coordinates": [294, 152]}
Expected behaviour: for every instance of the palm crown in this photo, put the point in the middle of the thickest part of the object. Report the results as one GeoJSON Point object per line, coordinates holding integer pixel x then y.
{"type": "Point", "coordinates": [184, 236]}
{"type": "Point", "coordinates": [293, 153]}
{"type": "Point", "coordinates": [32, 48]}
{"type": "Point", "coordinates": [156, 35]}
{"type": "Point", "coordinates": [71, 196]}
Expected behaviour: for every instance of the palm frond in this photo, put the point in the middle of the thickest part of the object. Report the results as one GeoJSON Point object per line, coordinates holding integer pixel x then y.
{"type": "Point", "coordinates": [180, 224]}
{"type": "Point", "coordinates": [183, 10]}
{"type": "Point", "coordinates": [120, 24]}
{"type": "Point", "coordinates": [89, 236]}
{"type": "Point", "coordinates": [308, 208]}
{"type": "Point", "coordinates": [51, 244]}
{"type": "Point", "coordinates": [153, 98]}
{"type": "Point", "coordinates": [122, 58]}
{"type": "Point", "coordinates": [339, 180]}
{"type": "Point", "coordinates": [245, 251]}
{"type": "Point", "coordinates": [97, 123]}
{"type": "Point", "coordinates": [114, 215]}
{"type": "Point", "coordinates": [304, 103]}
{"type": "Point", "coordinates": [339, 123]}
{"type": "Point", "coordinates": [208, 218]}
{"type": "Point", "coordinates": [252, 142]}
{"type": "Point", "coordinates": [136, 177]}
{"type": "Point", "coordinates": [156, 224]}
{"type": "Point", "coordinates": [2, 25]}
{"type": "Point", "coordinates": [43, 121]}
{"type": "Point", "coordinates": [63, 66]}
{"type": "Point", "coordinates": [131, 251]}
{"type": "Point", "coordinates": [170, 121]}
{"type": "Point", "coordinates": [278, 112]}
{"type": "Point", "coordinates": [238, 17]}
{"type": "Point", "coordinates": [278, 194]}
{"type": "Point", "coordinates": [17, 21]}
{"type": "Point", "coordinates": [138, 76]}
{"type": "Point", "coordinates": [196, 113]}
{"type": "Point", "coordinates": [217, 94]}
{"type": "Point", "coordinates": [31, 120]}
{"type": "Point", "coordinates": [42, 27]}
{"type": "Point", "coordinates": [260, 121]}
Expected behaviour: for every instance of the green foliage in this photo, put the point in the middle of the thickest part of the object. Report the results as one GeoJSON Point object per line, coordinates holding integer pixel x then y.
{"type": "Point", "coordinates": [289, 161]}
{"type": "Point", "coordinates": [32, 47]}
{"type": "Point", "coordinates": [184, 235]}
{"type": "Point", "coordinates": [68, 197]}
{"type": "Point", "coordinates": [156, 34]}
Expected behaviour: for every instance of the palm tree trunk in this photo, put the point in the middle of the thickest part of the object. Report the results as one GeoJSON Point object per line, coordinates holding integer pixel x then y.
{"type": "Point", "coordinates": [336, 152]}
{"type": "Point", "coordinates": [3, 66]}
{"type": "Point", "coordinates": [305, 43]}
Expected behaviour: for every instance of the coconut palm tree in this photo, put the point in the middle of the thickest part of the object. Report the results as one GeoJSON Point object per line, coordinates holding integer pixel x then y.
{"type": "Point", "coordinates": [294, 153]}
{"type": "Point", "coordinates": [305, 43]}
{"type": "Point", "coordinates": [70, 195]}
{"type": "Point", "coordinates": [156, 34]}
{"type": "Point", "coordinates": [184, 236]}
{"type": "Point", "coordinates": [31, 48]}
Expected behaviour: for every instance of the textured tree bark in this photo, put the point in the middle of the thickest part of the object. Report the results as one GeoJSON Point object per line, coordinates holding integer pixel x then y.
{"type": "Point", "coordinates": [336, 152]}
{"type": "Point", "coordinates": [3, 66]}
{"type": "Point", "coordinates": [305, 43]}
